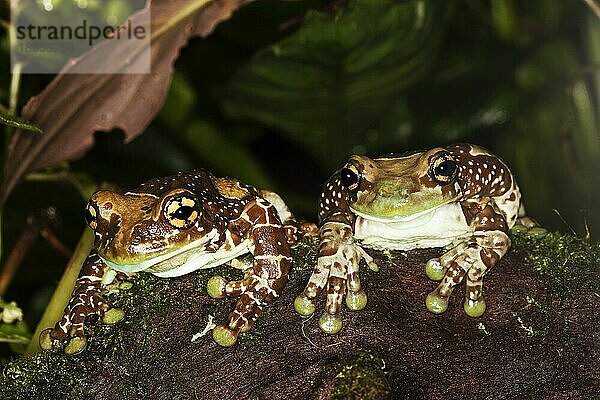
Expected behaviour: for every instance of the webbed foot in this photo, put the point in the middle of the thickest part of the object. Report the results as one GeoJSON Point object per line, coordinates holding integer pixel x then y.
{"type": "Point", "coordinates": [470, 259]}
{"type": "Point", "coordinates": [337, 269]}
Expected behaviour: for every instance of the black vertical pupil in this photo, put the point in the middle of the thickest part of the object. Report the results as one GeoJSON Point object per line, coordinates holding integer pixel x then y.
{"type": "Point", "coordinates": [348, 177]}
{"type": "Point", "coordinates": [446, 168]}
{"type": "Point", "coordinates": [183, 212]}
{"type": "Point", "coordinates": [89, 218]}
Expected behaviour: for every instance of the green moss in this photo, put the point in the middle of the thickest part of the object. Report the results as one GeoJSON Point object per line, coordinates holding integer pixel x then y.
{"type": "Point", "coordinates": [363, 379]}
{"type": "Point", "coordinates": [144, 286]}
{"type": "Point", "coordinates": [566, 261]}
{"type": "Point", "coordinates": [37, 376]}
{"type": "Point", "coordinates": [305, 254]}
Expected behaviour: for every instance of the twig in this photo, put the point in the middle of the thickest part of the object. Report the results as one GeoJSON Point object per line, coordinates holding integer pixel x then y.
{"type": "Point", "coordinates": [20, 249]}
{"type": "Point", "coordinates": [37, 225]}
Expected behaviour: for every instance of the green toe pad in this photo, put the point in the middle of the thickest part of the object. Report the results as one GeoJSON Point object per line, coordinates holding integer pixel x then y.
{"type": "Point", "coordinates": [537, 232]}
{"type": "Point", "coordinates": [46, 339]}
{"type": "Point", "coordinates": [373, 267]}
{"type": "Point", "coordinates": [330, 323]}
{"type": "Point", "coordinates": [436, 304]}
{"type": "Point", "coordinates": [474, 308]}
{"type": "Point", "coordinates": [113, 316]}
{"type": "Point", "coordinates": [75, 345]}
{"type": "Point", "coordinates": [125, 285]}
{"type": "Point", "coordinates": [356, 300]}
{"type": "Point", "coordinates": [304, 306]}
{"type": "Point", "coordinates": [434, 270]}
{"type": "Point", "coordinates": [216, 287]}
{"type": "Point", "coordinates": [223, 336]}
{"type": "Point", "coordinates": [519, 228]}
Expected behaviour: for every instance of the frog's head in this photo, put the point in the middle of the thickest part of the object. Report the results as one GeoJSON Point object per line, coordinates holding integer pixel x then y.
{"type": "Point", "coordinates": [138, 230]}
{"type": "Point", "coordinates": [400, 187]}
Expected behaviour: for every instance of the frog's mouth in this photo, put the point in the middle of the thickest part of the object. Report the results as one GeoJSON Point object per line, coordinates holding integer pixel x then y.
{"type": "Point", "coordinates": [398, 213]}
{"type": "Point", "coordinates": [147, 264]}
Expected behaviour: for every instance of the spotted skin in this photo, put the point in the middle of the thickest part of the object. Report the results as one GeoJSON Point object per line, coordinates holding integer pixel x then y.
{"type": "Point", "coordinates": [175, 225]}
{"type": "Point", "coordinates": [461, 196]}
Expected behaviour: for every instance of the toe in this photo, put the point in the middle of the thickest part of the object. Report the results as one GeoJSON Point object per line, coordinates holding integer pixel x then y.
{"type": "Point", "coordinates": [436, 304]}
{"type": "Point", "coordinates": [304, 306]}
{"type": "Point", "coordinates": [216, 287]}
{"type": "Point", "coordinates": [356, 300]}
{"type": "Point", "coordinates": [113, 316]}
{"type": "Point", "coordinates": [75, 345]}
{"type": "Point", "coordinates": [46, 340]}
{"type": "Point", "coordinates": [224, 336]}
{"type": "Point", "coordinates": [434, 269]}
{"type": "Point", "coordinates": [474, 308]}
{"type": "Point", "coordinates": [330, 323]}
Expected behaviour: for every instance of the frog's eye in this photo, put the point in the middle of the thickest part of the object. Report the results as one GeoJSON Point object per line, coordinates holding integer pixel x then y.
{"type": "Point", "coordinates": [349, 176]}
{"type": "Point", "coordinates": [90, 216]}
{"type": "Point", "coordinates": [444, 169]}
{"type": "Point", "coordinates": [181, 212]}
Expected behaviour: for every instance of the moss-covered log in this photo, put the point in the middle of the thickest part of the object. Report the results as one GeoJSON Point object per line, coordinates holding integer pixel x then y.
{"type": "Point", "coordinates": [539, 339]}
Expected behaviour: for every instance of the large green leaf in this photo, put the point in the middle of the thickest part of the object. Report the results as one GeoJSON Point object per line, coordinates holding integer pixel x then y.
{"type": "Point", "coordinates": [336, 84]}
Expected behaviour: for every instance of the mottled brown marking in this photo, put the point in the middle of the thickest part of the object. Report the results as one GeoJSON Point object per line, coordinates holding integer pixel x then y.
{"type": "Point", "coordinates": [230, 188]}
{"type": "Point", "coordinates": [489, 257]}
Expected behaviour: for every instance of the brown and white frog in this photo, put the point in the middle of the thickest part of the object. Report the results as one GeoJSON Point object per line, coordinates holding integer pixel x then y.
{"type": "Point", "coordinates": [175, 225]}
{"type": "Point", "coordinates": [460, 196]}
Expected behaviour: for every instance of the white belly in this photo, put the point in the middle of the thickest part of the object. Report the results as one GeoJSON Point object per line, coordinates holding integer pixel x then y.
{"type": "Point", "coordinates": [438, 228]}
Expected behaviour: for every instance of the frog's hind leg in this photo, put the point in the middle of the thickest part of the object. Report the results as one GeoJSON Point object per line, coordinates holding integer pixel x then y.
{"type": "Point", "coordinates": [269, 273]}
{"type": "Point", "coordinates": [218, 287]}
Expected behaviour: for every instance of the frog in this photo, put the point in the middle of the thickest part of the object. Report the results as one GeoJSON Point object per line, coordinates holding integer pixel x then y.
{"type": "Point", "coordinates": [461, 197]}
{"type": "Point", "coordinates": [173, 226]}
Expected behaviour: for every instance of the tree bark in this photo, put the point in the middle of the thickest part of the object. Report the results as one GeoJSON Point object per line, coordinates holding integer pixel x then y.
{"type": "Point", "coordinates": [530, 343]}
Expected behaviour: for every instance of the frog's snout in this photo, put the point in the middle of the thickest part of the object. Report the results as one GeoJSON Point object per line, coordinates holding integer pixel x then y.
{"type": "Point", "coordinates": [393, 191]}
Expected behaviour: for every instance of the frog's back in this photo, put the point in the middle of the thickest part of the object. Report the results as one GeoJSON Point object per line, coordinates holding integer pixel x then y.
{"type": "Point", "coordinates": [203, 184]}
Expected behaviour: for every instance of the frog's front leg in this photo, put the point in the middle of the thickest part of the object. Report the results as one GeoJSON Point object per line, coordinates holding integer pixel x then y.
{"type": "Point", "coordinates": [338, 269]}
{"type": "Point", "coordinates": [473, 259]}
{"type": "Point", "coordinates": [86, 300]}
{"type": "Point", "coordinates": [294, 229]}
{"type": "Point", "coordinates": [269, 273]}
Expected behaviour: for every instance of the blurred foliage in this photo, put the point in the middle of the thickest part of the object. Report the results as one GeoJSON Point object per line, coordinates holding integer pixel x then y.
{"type": "Point", "coordinates": [285, 91]}
{"type": "Point", "coordinates": [336, 84]}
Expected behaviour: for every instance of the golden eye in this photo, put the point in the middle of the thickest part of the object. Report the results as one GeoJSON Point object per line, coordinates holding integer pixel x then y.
{"type": "Point", "coordinates": [181, 212]}
{"type": "Point", "coordinates": [349, 176]}
{"type": "Point", "coordinates": [443, 169]}
{"type": "Point", "coordinates": [90, 216]}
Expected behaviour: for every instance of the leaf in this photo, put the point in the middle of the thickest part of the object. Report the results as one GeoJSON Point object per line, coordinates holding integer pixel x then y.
{"type": "Point", "coordinates": [337, 82]}
{"type": "Point", "coordinates": [74, 106]}
{"type": "Point", "coordinates": [205, 140]}
{"type": "Point", "coordinates": [17, 122]}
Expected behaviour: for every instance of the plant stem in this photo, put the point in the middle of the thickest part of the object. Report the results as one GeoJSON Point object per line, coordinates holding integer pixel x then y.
{"type": "Point", "coordinates": [15, 83]}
